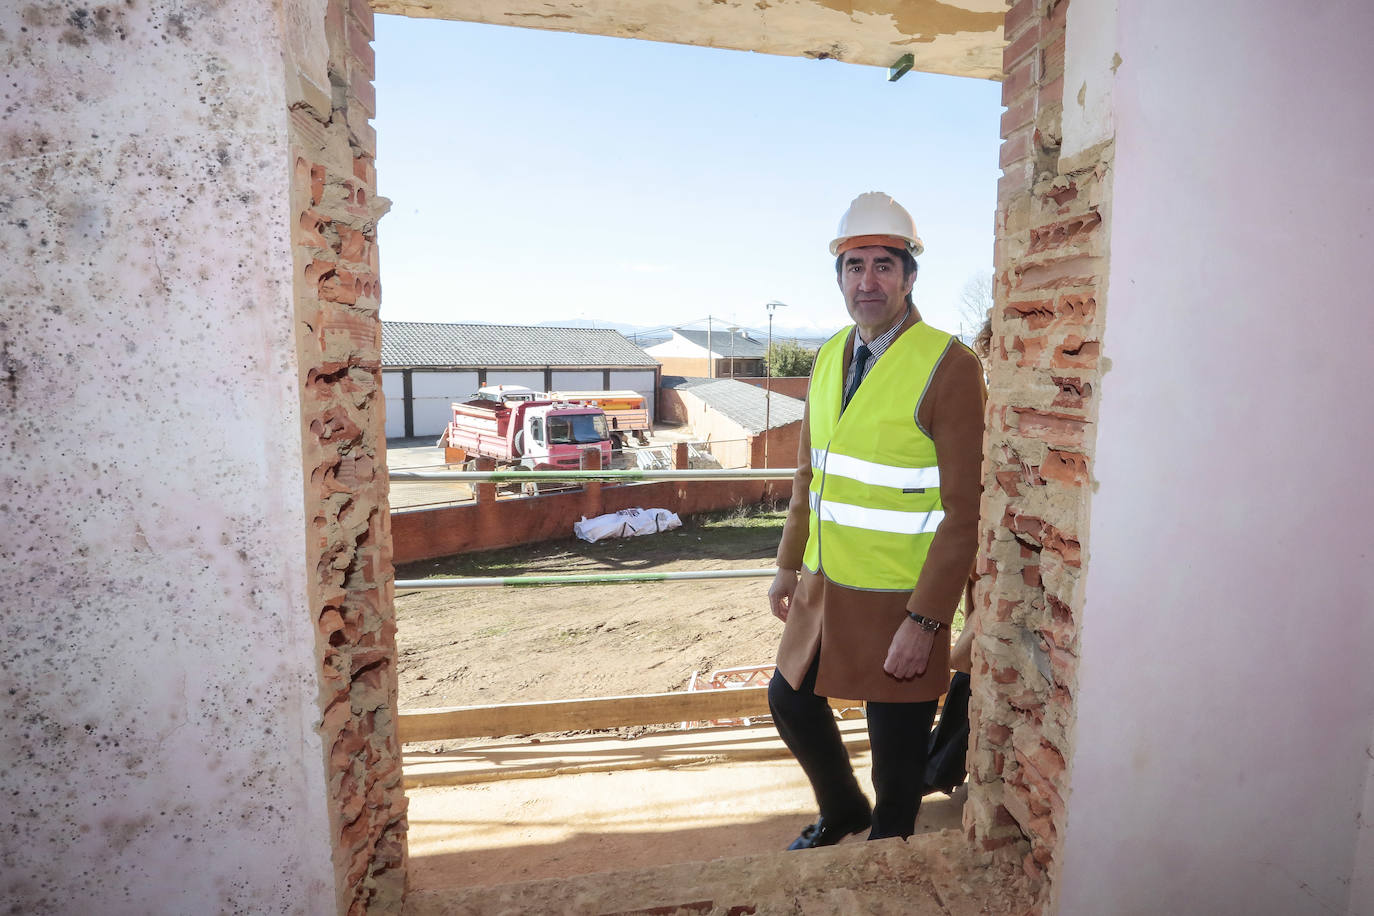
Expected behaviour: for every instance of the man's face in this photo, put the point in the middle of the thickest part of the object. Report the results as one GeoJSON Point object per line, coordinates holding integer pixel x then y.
{"type": "Point", "coordinates": [874, 287]}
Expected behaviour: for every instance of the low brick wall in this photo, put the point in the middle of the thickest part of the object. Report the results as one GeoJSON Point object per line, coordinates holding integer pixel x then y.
{"type": "Point", "coordinates": [794, 386]}
{"type": "Point", "coordinates": [489, 524]}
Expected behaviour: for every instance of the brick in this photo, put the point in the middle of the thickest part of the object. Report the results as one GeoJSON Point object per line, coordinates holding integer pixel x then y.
{"type": "Point", "coordinates": [1017, 146]}
{"type": "Point", "coordinates": [1030, 349]}
{"type": "Point", "coordinates": [1063, 194]}
{"type": "Point", "coordinates": [1037, 313]}
{"type": "Point", "coordinates": [1016, 180]}
{"type": "Point", "coordinates": [1065, 467]}
{"type": "Point", "coordinates": [1022, 14]}
{"type": "Point", "coordinates": [317, 176]}
{"type": "Point", "coordinates": [1051, 93]}
{"type": "Point", "coordinates": [997, 734]}
{"type": "Point", "coordinates": [1031, 575]}
{"type": "Point", "coordinates": [311, 230]}
{"type": "Point", "coordinates": [1016, 804]}
{"type": "Point", "coordinates": [989, 844]}
{"type": "Point", "coordinates": [353, 245]}
{"type": "Point", "coordinates": [360, 48]}
{"type": "Point", "coordinates": [1006, 676]}
{"type": "Point", "coordinates": [363, 92]}
{"type": "Point", "coordinates": [1073, 269]}
{"type": "Point", "coordinates": [1056, 14]}
{"type": "Point", "coordinates": [362, 17]}
{"type": "Point", "coordinates": [1077, 308]}
{"type": "Point", "coordinates": [1019, 114]}
{"type": "Point", "coordinates": [1018, 80]}
{"type": "Point", "coordinates": [1052, 59]}
{"type": "Point", "coordinates": [1022, 45]}
{"type": "Point", "coordinates": [1064, 232]}
{"type": "Point", "coordinates": [365, 170]}
{"type": "Point", "coordinates": [365, 137]}
{"type": "Point", "coordinates": [1076, 353]}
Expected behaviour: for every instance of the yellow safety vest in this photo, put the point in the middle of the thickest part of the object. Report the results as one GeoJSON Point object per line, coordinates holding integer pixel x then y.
{"type": "Point", "coordinates": [875, 481]}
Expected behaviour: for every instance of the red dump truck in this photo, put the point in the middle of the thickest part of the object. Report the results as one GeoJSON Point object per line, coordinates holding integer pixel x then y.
{"type": "Point", "coordinates": [516, 427]}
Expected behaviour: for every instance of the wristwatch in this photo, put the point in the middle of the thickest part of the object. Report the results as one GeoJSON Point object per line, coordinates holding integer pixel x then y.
{"type": "Point", "coordinates": [930, 626]}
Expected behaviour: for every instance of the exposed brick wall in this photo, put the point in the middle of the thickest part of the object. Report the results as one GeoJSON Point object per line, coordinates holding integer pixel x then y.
{"type": "Point", "coordinates": [335, 212]}
{"type": "Point", "coordinates": [1043, 384]}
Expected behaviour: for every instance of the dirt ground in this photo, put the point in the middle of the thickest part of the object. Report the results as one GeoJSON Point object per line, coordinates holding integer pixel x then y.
{"type": "Point", "coordinates": [503, 645]}
{"type": "Point", "coordinates": [473, 646]}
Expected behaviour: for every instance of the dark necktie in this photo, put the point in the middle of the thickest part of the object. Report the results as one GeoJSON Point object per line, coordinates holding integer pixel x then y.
{"type": "Point", "coordinates": [860, 361]}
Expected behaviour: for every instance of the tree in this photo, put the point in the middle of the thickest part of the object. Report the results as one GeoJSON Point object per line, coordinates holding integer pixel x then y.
{"type": "Point", "coordinates": [790, 358]}
{"type": "Point", "coordinates": [975, 304]}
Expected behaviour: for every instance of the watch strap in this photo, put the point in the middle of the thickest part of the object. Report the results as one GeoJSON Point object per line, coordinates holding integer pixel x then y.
{"type": "Point", "coordinates": [926, 623]}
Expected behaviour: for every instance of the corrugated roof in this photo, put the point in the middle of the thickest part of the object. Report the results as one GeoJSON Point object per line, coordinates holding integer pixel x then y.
{"type": "Point", "coordinates": [742, 402]}
{"type": "Point", "coordinates": [741, 347]}
{"type": "Point", "coordinates": [432, 344]}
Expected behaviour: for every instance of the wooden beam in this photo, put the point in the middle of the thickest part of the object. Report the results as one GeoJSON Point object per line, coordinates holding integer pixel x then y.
{"type": "Point", "coordinates": [603, 712]}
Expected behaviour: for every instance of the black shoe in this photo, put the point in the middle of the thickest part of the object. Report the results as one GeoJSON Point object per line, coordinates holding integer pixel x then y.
{"type": "Point", "coordinates": [829, 832]}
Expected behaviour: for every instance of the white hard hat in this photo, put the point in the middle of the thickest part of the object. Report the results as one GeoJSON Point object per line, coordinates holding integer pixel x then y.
{"type": "Point", "coordinates": [874, 218]}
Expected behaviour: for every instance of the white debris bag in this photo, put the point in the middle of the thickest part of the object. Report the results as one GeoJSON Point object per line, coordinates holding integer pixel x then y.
{"type": "Point", "coordinates": [626, 523]}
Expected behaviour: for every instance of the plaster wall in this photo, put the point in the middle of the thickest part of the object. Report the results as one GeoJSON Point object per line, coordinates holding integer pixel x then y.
{"type": "Point", "coordinates": [159, 655]}
{"type": "Point", "coordinates": [1225, 711]}
{"type": "Point", "coordinates": [1090, 64]}
{"type": "Point", "coordinates": [957, 37]}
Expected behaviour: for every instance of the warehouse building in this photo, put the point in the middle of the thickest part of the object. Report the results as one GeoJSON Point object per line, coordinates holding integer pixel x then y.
{"type": "Point", "coordinates": [426, 366]}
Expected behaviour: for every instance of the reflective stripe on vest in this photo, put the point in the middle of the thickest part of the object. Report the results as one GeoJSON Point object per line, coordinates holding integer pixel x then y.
{"type": "Point", "coordinates": [876, 519]}
{"type": "Point", "coordinates": [873, 518]}
{"type": "Point", "coordinates": [880, 475]}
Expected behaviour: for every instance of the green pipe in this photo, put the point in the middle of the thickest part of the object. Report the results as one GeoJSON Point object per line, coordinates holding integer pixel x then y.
{"type": "Point", "coordinates": [584, 579]}
{"type": "Point", "coordinates": [631, 474]}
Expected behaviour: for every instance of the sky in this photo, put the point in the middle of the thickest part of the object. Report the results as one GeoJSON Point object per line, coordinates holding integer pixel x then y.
{"type": "Point", "coordinates": [549, 177]}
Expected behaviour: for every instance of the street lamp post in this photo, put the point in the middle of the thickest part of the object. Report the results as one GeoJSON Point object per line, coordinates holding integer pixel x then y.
{"type": "Point", "coordinates": [768, 379]}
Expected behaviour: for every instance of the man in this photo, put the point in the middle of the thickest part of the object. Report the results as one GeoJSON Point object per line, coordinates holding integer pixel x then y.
{"type": "Point", "coordinates": [880, 535]}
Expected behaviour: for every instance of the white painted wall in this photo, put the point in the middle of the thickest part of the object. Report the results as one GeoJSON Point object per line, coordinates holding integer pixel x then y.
{"type": "Point", "coordinates": [530, 379]}
{"type": "Point", "coordinates": [394, 392]}
{"type": "Point", "coordinates": [159, 656]}
{"type": "Point", "coordinates": [640, 383]}
{"type": "Point", "coordinates": [1089, 73]}
{"type": "Point", "coordinates": [577, 381]}
{"type": "Point", "coordinates": [678, 345]}
{"type": "Point", "coordinates": [433, 395]}
{"type": "Point", "coordinates": [1225, 704]}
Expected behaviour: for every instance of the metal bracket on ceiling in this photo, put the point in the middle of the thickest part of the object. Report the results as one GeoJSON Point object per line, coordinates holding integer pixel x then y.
{"type": "Point", "coordinates": [901, 67]}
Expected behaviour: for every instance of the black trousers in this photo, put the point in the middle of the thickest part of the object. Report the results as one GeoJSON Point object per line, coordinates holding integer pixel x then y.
{"type": "Point", "coordinates": [898, 733]}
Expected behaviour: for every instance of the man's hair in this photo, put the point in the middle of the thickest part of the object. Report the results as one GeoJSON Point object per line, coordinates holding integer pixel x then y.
{"type": "Point", "coordinates": [909, 266]}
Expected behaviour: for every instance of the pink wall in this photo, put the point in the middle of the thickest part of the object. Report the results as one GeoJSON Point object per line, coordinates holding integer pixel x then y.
{"type": "Point", "coordinates": [1226, 709]}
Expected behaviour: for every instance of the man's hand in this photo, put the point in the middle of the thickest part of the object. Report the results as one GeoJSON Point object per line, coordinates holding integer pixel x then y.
{"type": "Point", "coordinates": [909, 653]}
{"type": "Point", "coordinates": [781, 591]}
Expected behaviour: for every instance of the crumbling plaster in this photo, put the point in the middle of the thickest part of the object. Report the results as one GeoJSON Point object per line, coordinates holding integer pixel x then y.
{"type": "Point", "coordinates": [159, 658]}
{"type": "Point", "coordinates": [960, 38]}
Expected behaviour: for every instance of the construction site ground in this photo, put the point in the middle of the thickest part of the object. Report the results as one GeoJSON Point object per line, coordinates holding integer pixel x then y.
{"type": "Point", "coordinates": [526, 824]}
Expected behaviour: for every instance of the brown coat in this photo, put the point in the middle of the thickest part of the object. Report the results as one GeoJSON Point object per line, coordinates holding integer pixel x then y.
{"type": "Point", "coordinates": [852, 629]}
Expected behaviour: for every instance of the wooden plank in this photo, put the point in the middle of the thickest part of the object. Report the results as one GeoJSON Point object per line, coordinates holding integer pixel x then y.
{"type": "Point", "coordinates": [603, 712]}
